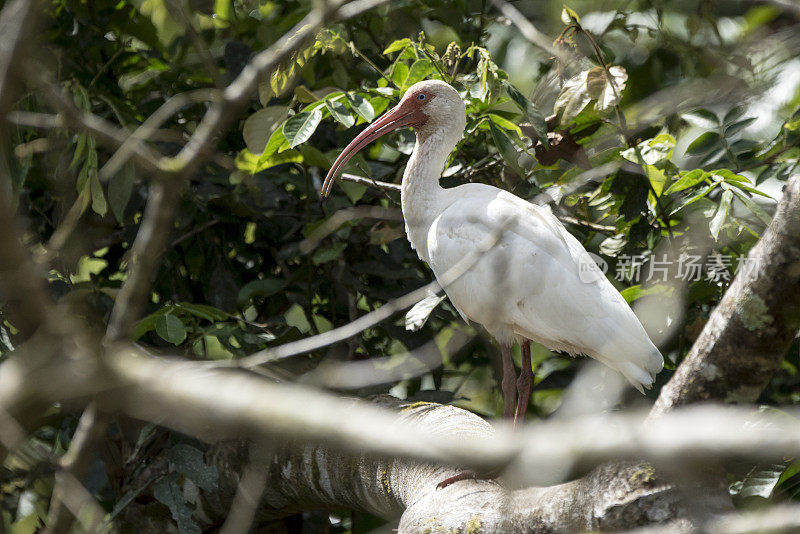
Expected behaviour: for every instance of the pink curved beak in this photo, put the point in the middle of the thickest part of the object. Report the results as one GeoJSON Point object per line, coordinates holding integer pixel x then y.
{"type": "Point", "coordinates": [406, 113]}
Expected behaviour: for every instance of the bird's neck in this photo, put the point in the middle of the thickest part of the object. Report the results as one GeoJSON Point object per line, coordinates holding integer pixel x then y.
{"type": "Point", "coordinates": [421, 196]}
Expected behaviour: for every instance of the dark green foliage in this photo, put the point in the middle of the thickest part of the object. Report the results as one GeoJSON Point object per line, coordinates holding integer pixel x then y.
{"type": "Point", "coordinates": [681, 170]}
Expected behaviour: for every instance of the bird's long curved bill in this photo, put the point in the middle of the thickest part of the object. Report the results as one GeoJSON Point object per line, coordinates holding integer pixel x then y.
{"type": "Point", "coordinates": [395, 118]}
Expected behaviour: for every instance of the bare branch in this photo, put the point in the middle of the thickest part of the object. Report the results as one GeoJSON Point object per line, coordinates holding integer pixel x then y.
{"type": "Point", "coordinates": [347, 177]}
{"type": "Point", "coordinates": [65, 503]}
{"type": "Point", "coordinates": [151, 125]}
{"type": "Point", "coordinates": [145, 258]}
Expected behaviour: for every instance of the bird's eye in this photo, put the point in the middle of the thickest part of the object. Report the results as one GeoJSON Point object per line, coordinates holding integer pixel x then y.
{"type": "Point", "coordinates": [421, 96]}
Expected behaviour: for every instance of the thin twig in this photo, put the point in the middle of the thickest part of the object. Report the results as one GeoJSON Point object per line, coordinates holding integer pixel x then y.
{"type": "Point", "coordinates": [64, 504]}
{"type": "Point", "coordinates": [157, 222]}
{"type": "Point", "coordinates": [151, 125]}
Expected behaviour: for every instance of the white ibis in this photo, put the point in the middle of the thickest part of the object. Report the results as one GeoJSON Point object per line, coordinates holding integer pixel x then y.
{"type": "Point", "coordinates": [534, 284]}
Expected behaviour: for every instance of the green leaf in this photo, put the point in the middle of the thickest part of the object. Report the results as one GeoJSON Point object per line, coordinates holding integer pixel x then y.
{"type": "Point", "coordinates": [340, 113]}
{"type": "Point", "coordinates": [120, 187]}
{"type": "Point", "coordinates": [261, 125]}
{"type": "Point", "coordinates": [732, 115]}
{"type": "Point", "coordinates": [204, 311]}
{"type": "Point", "coordinates": [507, 150]}
{"type": "Point", "coordinates": [531, 112]}
{"type": "Point", "coordinates": [569, 17]}
{"type": "Point", "coordinates": [353, 191]}
{"type": "Point", "coordinates": [397, 45]}
{"type": "Point", "coordinates": [80, 147]}
{"type": "Point", "coordinates": [633, 293]}
{"type": "Point", "coordinates": [25, 525]}
{"type": "Point", "coordinates": [170, 329]}
{"type": "Point", "coordinates": [99, 204]}
{"type": "Point", "coordinates": [299, 128]}
{"type": "Point", "coordinates": [313, 157]}
{"type": "Point", "coordinates": [729, 176]}
{"type": "Point", "coordinates": [687, 180]}
{"type": "Point", "coordinates": [329, 253]}
{"type": "Point", "coordinates": [277, 142]}
{"type": "Point", "coordinates": [702, 118]}
{"type": "Point", "coordinates": [736, 127]}
{"type": "Point", "coordinates": [651, 151]}
{"type": "Point", "coordinates": [721, 214]}
{"type": "Point", "coordinates": [296, 317]}
{"type": "Point", "coordinates": [757, 210]}
{"type": "Point", "coordinates": [189, 462]}
{"type": "Point", "coordinates": [361, 106]}
{"type": "Point", "coordinates": [259, 288]}
{"type": "Point", "coordinates": [691, 200]}
{"type": "Point", "coordinates": [167, 491]}
{"type": "Point", "coordinates": [504, 123]}
{"type": "Point", "coordinates": [418, 71]}
{"type": "Point", "coordinates": [704, 143]}
{"type": "Point", "coordinates": [399, 73]}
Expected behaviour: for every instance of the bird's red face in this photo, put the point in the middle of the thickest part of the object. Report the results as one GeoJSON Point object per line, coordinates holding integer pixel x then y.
{"type": "Point", "coordinates": [409, 112]}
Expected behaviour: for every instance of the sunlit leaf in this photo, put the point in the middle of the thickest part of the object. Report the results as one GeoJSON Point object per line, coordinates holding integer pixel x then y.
{"type": "Point", "coordinates": [361, 106]}
{"type": "Point", "coordinates": [299, 128]}
{"type": "Point", "coordinates": [418, 315]}
{"type": "Point", "coordinates": [606, 87]}
{"type": "Point", "coordinates": [340, 113]}
{"type": "Point", "coordinates": [572, 98]}
{"type": "Point", "coordinates": [568, 16]}
{"type": "Point", "coordinates": [687, 180]}
{"type": "Point", "coordinates": [397, 45]}
{"type": "Point", "coordinates": [704, 143]}
{"type": "Point", "coordinates": [418, 71]}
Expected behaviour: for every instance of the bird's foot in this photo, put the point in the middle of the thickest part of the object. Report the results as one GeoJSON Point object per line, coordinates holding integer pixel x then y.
{"type": "Point", "coordinates": [466, 475]}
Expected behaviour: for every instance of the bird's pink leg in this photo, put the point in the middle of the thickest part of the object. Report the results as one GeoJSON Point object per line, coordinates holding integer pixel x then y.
{"type": "Point", "coordinates": [509, 382]}
{"type": "Point", "coordinates": [524, 384]}
{"type": "Point", "coordinates": [509, 385]}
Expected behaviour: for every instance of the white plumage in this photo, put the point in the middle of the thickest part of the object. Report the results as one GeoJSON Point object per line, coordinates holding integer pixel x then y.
{"type": "Point", "coordinates": [536, 282]}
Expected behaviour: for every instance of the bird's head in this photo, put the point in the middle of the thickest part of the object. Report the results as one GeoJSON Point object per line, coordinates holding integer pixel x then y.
{"type": "Point", "coordinates": [427, 106]}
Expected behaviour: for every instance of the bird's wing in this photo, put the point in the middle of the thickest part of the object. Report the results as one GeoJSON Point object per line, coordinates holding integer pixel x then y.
{"type": "Point", "coordinates": [537, 281]}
